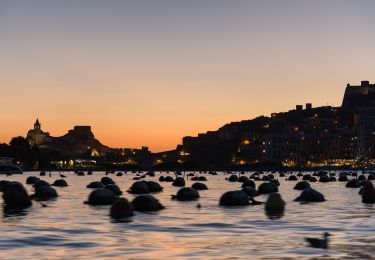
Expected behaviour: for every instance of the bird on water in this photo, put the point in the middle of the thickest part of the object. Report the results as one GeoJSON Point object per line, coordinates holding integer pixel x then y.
{"type": "Point", "coordinates": [319, 243]}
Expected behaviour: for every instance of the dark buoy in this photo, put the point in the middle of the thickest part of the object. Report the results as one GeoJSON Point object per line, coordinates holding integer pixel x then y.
{"type": "Point", "coordinates": [15, 196]}
{"type": "Point", "coordinates": [368, 193]}
{"type": "Point", "coordinates": [310, 195]}
{"type": "Point", "coordinates": [302, 185]}
{"type": "Point", "coordinates": [45, 193]}
{"type": "Point", "coordinates": [60, 183]}
{"type": "Point", "coordinates": [101, 197]}
{"type": "Point", "coordinates": [179, 182]}
{"type": "Point", "coordinates": [121, 208]}
{"type": "Point", "coordinates": [199, 186]}
{"type": "Point", "coordinates": [267, 187]}
{"type": "Point", "coordinates": [234, 198]}
{"type": "Point", "coordinates": [186, 194]}
{"type": "Point", "coordinates": [95, 185]}
{"type": "Point", "coordinates": [32, 180]}
{"type": "Point", "coordinates": [146, 202]}
{"type": "Point", "coordinates": [106, 180]}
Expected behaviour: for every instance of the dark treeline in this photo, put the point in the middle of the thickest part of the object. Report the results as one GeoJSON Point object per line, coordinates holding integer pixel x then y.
{"type": "Point", "coordinates": [19, 149]}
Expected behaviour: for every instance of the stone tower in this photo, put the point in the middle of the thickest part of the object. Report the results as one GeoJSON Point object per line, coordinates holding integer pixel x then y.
{"type": "Point", "coordinates": [36, 136]}
{"type": "Point", "coordinates": [37, 125]}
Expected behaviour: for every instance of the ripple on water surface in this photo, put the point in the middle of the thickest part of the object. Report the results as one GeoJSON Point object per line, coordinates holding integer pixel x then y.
{"type": "Point", "coordinates": [66, 228]}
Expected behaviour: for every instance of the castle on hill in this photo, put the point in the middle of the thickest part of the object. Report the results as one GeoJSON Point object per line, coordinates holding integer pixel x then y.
{"type": "Point", "coordinates": [76, 142]}
{"type": "Point", "coordinates": [359, 95]}
{"type": "Point", "coordinates": [36, 136]}
{"type": "Point", "coordinates": [304, 136]}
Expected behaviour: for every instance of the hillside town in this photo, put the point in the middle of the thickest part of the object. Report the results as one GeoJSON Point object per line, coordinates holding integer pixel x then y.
{"type": "Point", "coordinates": [302, 137]}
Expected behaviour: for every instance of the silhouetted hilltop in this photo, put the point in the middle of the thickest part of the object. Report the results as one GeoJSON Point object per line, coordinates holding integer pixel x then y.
{"type": "Point", "coordinates": [77, 142]}
{"type": "Point", "coordinates": [302, 136]}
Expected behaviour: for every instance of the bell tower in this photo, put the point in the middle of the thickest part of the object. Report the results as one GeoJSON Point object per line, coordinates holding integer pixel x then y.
{"type": "Point", "coordinates": [37, 125]}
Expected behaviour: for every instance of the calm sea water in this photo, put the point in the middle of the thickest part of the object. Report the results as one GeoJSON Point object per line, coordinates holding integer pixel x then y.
{"type": "Point", "coordinates": [69, 229]}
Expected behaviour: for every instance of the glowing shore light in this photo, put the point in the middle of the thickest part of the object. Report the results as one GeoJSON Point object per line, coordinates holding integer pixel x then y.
{"type": "Point", "coordinates": [94, 153]}
{"type": "Point", "coordinates": [158, 161]}
{"type": "Point", "coordinates": [246, 142]}
{"type": "Point", "coordinates": [131, 162]}
{"type": "Point", "coordinates": [183, 153]}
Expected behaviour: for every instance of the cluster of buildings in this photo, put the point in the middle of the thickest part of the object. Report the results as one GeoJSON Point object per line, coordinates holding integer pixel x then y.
{"type": "Point", "coordinates": [302, 137]}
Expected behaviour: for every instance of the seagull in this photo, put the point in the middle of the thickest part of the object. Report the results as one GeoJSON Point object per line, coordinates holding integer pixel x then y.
{"type": "Point", "coordinates": [62, 175]}
{"type": "Point", "coordinates": [319, 243]}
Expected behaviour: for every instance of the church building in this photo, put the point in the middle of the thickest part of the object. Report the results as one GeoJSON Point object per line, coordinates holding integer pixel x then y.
{"type": "Point", "coordinates": [37, 136]}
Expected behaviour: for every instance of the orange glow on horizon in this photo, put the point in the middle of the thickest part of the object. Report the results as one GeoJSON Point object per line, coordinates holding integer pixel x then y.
{"type": "Point", "coordinates": [148, 75]}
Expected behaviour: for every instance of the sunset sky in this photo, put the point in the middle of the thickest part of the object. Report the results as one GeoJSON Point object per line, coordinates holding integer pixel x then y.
{"type": "Point", "coordinates": [150, 72]}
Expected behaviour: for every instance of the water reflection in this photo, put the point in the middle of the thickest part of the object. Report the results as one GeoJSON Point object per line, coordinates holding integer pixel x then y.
{"type": "Point", "coordinates": [12, 212]}
{"type": "Point", "coordinates": [122, 220]}
{"type": "Point", "coordinates": [68, 228]}
{"type": "Point", "coordinates": [274, 214]}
